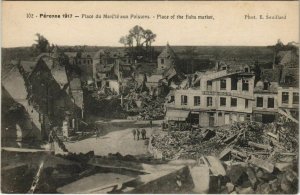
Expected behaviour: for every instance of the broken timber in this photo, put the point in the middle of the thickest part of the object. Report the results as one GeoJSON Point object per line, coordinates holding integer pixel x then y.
{"type": "Point", "coordinates": [260, 146]}
{"type": "Point", "coordinates": [230, 139]}
{"type": "Point", "coordinates": [237, 155]}
{"type": "Point", "coordinates": [261, 163]}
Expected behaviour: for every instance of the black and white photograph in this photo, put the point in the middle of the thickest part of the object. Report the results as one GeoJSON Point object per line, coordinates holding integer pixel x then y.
{"type": "Point", "coordinates": [150, 97]}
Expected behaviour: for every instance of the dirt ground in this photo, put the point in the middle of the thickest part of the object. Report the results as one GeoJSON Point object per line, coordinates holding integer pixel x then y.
{"type": "Point", "coordinates": [117, 141]}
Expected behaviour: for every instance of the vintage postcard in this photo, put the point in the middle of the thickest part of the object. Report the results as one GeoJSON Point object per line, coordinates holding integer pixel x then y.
{"type": "Point", "coordinates": [150, 97]}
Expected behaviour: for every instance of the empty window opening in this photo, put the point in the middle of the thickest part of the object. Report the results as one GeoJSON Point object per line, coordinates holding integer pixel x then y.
{"type": "Point", "coordinates": [259, 102]}
{"type": "Point", "coordinates": [183, 100]}
{"type": "Point", "coordinates": [234, 82]}
{"type": "Point", "coordinates": [209, 101]}
{"type": "Point", "coordinates": [209, 85]}
{"type": "Point", "coordinates": [295, 98]}
{"type": "Point", "coordinates": [246, 103]}
{"type": "Point", "coordinates": [222, 101]}
{"type": "Point", "coordinates": [223, 84]}
{"type": "Point", "coordinates": [233, 102]}
{"type": "Point", "coordinates": [285, 97]}
{"type": "Point", "coordinates": [270, 102]}
{"type": "Point", "coordinates": [196, 100]}
{"type": "Point", "coordinates": [172, 98]}
{"type": "Point", "coordinates": [248, 117]}
{"type": "Point", "coordinates": [266, 85]}
{"type": "Point", "coordinates": [245, 86]}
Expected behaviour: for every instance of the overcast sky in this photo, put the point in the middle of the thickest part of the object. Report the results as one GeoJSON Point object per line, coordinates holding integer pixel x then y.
{"type": "Point", "coordinates": [228, 27]}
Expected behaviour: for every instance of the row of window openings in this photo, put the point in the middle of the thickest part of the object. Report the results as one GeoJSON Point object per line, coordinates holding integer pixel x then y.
{"type": "Point", "coordinates": [184, 101]}
{"type": "Point", "coordinates": [260, 102]}
{"type": "Point", "coordinates": [245, 84]}
{"type": "Point", "coordinates": [285, 98]}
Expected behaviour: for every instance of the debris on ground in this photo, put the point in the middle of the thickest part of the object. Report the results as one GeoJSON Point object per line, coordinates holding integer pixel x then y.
{"type": "Point", "coordinates": [274, 142]}
{"type": "Point", "coordinates": [250, 178]}
{"type": "Point", "coordinates": [145, 106]}
{"type": "Point", "coordinates": [259, 158]}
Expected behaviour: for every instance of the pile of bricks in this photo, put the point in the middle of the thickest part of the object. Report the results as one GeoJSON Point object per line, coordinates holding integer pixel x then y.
{"type": "Point", "coordinates": [247, 178]}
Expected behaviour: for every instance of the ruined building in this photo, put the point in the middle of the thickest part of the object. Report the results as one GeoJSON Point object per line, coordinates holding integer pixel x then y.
{"type": "Point", "coordinates": [20, 120]}
{"type": "Point", "coordinates": [110, 68]}
{"type": "Point", "coordinates": [167, 58]}
{"type": "Point", "coordinates": [282, 80]}
{"type": "Point", "coordinates": [265, 108]}
{"type": "Point", "coordinates": [215, 98]}
{"type": "Point", "coordinates": [48, 96]}
{"type": "Point", "coordinates": [229, 93]}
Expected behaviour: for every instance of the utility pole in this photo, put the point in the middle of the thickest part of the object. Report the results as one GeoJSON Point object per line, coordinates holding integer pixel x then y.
{"type": "Point", "coordinates": [82, 110]}
{"type": "Point", "coordinates": [74, 115]}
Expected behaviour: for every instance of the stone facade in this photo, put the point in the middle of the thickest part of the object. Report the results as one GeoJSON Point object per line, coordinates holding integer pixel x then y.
{"type": "Point", "coordinates": [220, 98]}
